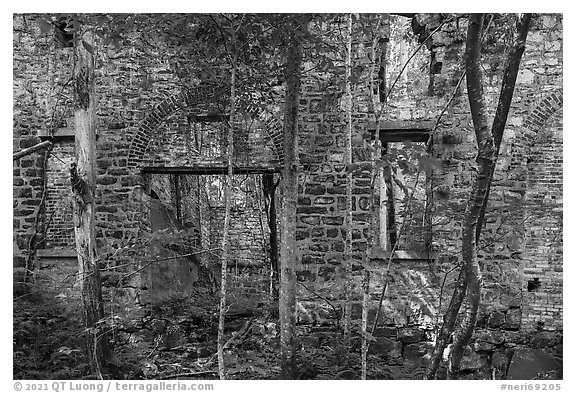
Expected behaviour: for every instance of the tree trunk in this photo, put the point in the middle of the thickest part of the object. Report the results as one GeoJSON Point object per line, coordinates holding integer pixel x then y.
{"type": "Point", "coordinates": [448, 326]}
{"type": "Point", "coordinates": [83, 175]}
{"type": "Point", "coordinates": [348, 212]}
{"type": "Point", "coordinates": [500, 118]}
{"type": "Point", "coordinates": [504, 101]}
{"type": "Point", "coordinates": [288, 248]}
{"type": "Point", "coordinates": [365, 303]}
{"type": "Point", "coordinates": [226, 230]}
{"type": "Point", "coordinates": [485, 160]}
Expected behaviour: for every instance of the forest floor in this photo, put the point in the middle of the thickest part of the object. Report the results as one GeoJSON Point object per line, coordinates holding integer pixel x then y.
{"type": "Point", "coordinates": [177, 340]}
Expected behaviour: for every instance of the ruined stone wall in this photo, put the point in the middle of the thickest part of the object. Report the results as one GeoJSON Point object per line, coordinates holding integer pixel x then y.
{"type": "Point", "coordinates": [31, 76]}
{"type": "Point", "coordinates": [322, 201]}
{"type": "Point", "coordinates": [505, 261]}
{"type": "Point", "coordinates": [146, 123]}
{"type": "Point", "coordinates": [135, 92]}
{"type": "Point", "coordinates": [247, 239]}
{"type": "Point", "coordinates": [509, 257]}
{"type": "Point", "coordinates": [521, 245]}
{"type": "Point", "coordinates": [42, 105]}
{"type": "Point", "coordinates": [249, 231]}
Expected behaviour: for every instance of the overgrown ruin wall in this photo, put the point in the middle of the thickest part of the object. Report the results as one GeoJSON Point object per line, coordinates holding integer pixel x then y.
{"type": "Point", "coordinates": [521, 247]}
{"type": "Point", "coordinates": [509, 258]}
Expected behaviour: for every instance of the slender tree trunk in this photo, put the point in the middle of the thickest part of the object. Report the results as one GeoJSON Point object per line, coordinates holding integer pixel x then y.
{"type": "Point", "coordinates": [500, 118]}
{"type": "Point", "coordinates": [504, 102]}
{"type": "Point", "coordinates": [365, 303]}
{"type": "Point", "coordinates": [226, 230]}
{"type": "Point", "coordinates": [485, 160]}
{"type": "Point", "coordinates": [288, 247]}
{"type": "Point", "coordinates": [448, 325]}
{"type": "Point", "coordinates": [83, 176]}
{"type": "Point", "coordinates": [348, 212]}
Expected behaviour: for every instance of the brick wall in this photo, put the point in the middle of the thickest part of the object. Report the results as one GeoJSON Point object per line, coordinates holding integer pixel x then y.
{"type": "Point", "coordinates": [247, 236]}
{"type": "Point", "coordinates": [60, 232]}
{"type": "Point", "coordinates": [544, 230]}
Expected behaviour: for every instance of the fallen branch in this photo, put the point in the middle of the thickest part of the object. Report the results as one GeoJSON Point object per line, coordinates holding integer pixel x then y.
{"type": "Point", "coordinates": [30, 150]}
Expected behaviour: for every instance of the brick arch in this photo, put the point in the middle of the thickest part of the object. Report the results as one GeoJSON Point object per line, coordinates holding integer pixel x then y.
{"type": "Point", "coordinates": [141, 138]}
{"type": "Point", "coordinates": [522, 145]}
{"type": "Point", "coordinates": [274, 130]}
{"type": "Point", "coordinates": [542, 204]}
{"type": "Point", "coordinates": [543, 111]}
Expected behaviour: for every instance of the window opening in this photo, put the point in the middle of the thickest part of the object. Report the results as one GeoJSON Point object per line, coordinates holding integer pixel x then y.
{"type": "Point", "coordinates": [399, 210]}
{"type": "Point", "coordinates": [534, 284]}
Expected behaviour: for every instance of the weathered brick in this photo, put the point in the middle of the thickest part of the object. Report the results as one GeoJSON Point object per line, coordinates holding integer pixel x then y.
{"type": "Point", "coordinates": [23, 212]}
{"type": "Point", "coordinates": [336, 190]}
{"type": "Point", "coordinates": [310, 220]}
{"type": "Point", "coordinates": [315, 189]}
{"type": "Point", "coordinates": [24, 192]}
{"type": "Point", "coordinates": [332, 232]}
{"type": "Point", "coordinates": [106, 180]}
{"type": "Point", "coordinates": [323, 200]}
{"type": "Point", "coordinates": [318, 247]}
{"type": "Point", "coordinates": [302, 234]}
{"type": "Point", "coordinates": [317, 232]}
{"type": "Point", "coordinates": [332, 220]}
{"type": "Point", "coordinates": [305, 275]}
{"type": "Point", "coordinates": [304, 200]}
{"type": "Point", "coordinates": [29, 142]}
{"type": "Point", "coordinates": [308, 259]}
{"type": "Point", "coordinates": [311, 210]}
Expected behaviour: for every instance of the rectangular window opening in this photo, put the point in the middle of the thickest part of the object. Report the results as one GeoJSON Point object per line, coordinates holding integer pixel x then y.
{"type": "Point", "coordinates": [534, 285]}
{"type": "Point", "coordinates": [405, 192]}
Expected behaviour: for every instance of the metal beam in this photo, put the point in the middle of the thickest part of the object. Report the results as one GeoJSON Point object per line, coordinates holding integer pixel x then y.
{"type": "Point", "coordinates": [403, 125]}
{"type": "Point", "coordinates": [404, 135]}
{"type": "Point", "coordinates": [399, 131]}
